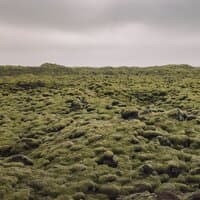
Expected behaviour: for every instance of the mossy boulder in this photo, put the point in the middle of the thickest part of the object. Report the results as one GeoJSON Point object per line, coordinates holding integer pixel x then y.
{"type": "Point", "coordinates": [20, 158]}
{"type": "Point", "coordinates": [79, 196]}
{"type": "Point", "coordinates": [182, 140]}
{"type": "Point", "coordinates": [109, 159]}
{"type": "Point", "coordinates": [134, 140]}
{"type": "Point", "coordinates": [167, 196]}
{"type": "Point", "coordinates": [146, 169]}
{"type": "Point", "coordinates": [166, 187]}
{"type": "Point", "coordinates": [107, 178]}
{"type": "Point", "coordinates": [195, 171]}
{"type": "Point", "coordinates": [174, 168]}
{"type": "Point", "coordinates": [111, 190]}
{"type": "Point", "coordinates": [164, 141]}
{"type": "Point", "coordinates": [31, 143]}
{"type": "Point", "coordinates": [192, 179]}
{"type": "Point", "coordinates": [139, 196]}
{"type": "Point", "coordinates": [76, 134]}
{"type": "Point", "coordinates": [21, 194]}
{"type": "Point", "coordinates": [5, 150]}
{"type": "Point", "coordinates": [94, 138]}
{"type": "Point", "coordinates": [30, 84]}
{"type": "Point", "coordinates": [195, 144]}
{"type": "Point", "coordinates": [194, 196]}
{"type": "Point", "coordinates": [130, 114]}
{"type": "Point", "coordinates": [86, 186]}
{"type": "Point", "coordinates": [150, 134]}
{"type": "Point", "coordinates": [75, 105]}
{"type": "Point", "coordinates": [178, 114]}
{"type": "Point", "coordinates": [143, 187]}
{"type": "Point", "coordinates": [78, 168]}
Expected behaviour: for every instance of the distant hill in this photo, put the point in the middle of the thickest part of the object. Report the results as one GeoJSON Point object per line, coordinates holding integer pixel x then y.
{"type": "Point", "coordinates": [48, 68]}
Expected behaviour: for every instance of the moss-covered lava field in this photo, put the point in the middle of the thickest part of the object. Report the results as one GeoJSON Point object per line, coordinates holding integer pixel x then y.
{"type": "Point", "coordinates": [99, 133]}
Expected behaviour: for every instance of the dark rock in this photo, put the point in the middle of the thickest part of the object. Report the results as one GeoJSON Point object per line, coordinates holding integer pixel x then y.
{"type": "Point", "coordinates": [30, 85]}
{"type": "Point", "coordinates": [195, 171]}
{"type": "Point", "coordinates": [108, 159]}
{"type": "Point", "coordinates": [178, 114]}
{"type": "Point", "coordinates": [138, 148]}
{"type": "Point", "coordinates": [164, 141]}
{"type": "Point", "coordinates": [143, 187]}
{"type": "Point", "coordinates": [31, 143]}
{"type": "Point", "coordinates": [146, 169]}
{"type": "Point", "coordinates": [121, 105]}
{"type": "Point", "coordinates": [90, 108]}
{"type": "Point", "coordinates": [79, 196]}
{"type": "Point", "coordinates": [94, 138]}
{"type": "Point", "coordinates": [174, 171]}
{"type": "Point", "coordinates": [139, 196]}
{"type": "Point", "coordinates": [167, 196]}
{"type": "Point", "coordinates": [130, 114]}
{"type": "Point", "coordinates": [5, 151]}
{"type": "Point", "coordinates": [115, 103]}
{"type": "Point", "coordinates": [56, 128]}
{"type": "Point", "coordinates": [109, 107]}
{"type": "Point", "coordinates": [191, 117]}
{"type": "Point", "coordinates": [75, 106]}
{"type": "Point", "coordinates": [112, 191]}
{"type": "Point", "coordinates": [76, 134]}
{"type": "Point", "coordinates": [194, 196]}
{"type": "Point", "coordinates": [20, 158]}
{"type": "Point", "coordinates": [150, 134]}
{"type": "Point", "coordinates": [134, 140]}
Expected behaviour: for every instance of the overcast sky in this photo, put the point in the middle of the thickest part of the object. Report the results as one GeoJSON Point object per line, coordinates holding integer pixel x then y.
{"type": "Point", "coordinates": [100, 32]}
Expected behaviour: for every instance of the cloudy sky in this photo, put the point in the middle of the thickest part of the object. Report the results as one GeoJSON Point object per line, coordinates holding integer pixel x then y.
{"type": "Point", "coordinates": [100, 32]}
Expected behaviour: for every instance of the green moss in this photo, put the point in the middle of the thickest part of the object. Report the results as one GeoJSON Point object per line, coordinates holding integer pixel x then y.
{"type": "Point", "coordinates": [78, 168]}
{"type": "Point", "coordinates": [107, 178]}
{"type": "Point", "coordinates": [192, 179]}
{"type": "Point", "coordinates": [99, 133]}
{"type": "Point", "coordinates": [76, 134]}
{"type": "Point", "coordinates": [23, 194]}
{"type": "Point", "coordinates": [112, 191]}
{"type": "Point", "coordinates": [174, 168]}
{"type": "Point", "coordinates": [108, 158]}
{"type": "Point", "coordinates": [146, 169]}
{"type": "Point", "coordinates": [166, 187]}
{"type": "Point", "coordinates": [79, 196]}
{"type": "Point", "coordinates": [94, 138]}
{"type": "Point", "coordinates": [86, 186]}
{"type": "Point", "coordinates": [20, 158]}
{"type": "Point", "coordinates": [150, 134]}
{"type": "Point", "coordinates": [182, 140]}
{"type": "Point", "coordinates": [140, 196]}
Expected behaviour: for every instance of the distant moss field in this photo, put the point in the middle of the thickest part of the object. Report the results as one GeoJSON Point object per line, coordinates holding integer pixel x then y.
{"type": "Point", "coordinates": [108, 133]}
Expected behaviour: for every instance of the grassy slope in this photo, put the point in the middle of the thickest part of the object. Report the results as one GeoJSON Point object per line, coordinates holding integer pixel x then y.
{"type": "Point", "coordinates": [64, 132]}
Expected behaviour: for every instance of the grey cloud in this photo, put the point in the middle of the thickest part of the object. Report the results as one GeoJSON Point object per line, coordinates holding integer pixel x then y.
{"type": "Point", "coordinates": [70, 15]}
{"type": "Point", "coordinates": [87, 56]}
{"type": "Point", "coordinates": [99, 32]}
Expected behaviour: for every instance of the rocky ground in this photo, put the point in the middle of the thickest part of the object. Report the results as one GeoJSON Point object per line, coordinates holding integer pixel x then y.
{"type": "Point", "coordinates": [100, 134]}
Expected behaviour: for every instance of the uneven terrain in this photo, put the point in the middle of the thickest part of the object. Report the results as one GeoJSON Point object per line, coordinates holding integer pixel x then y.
{"type": "Point", "coordinates": [99, 134]}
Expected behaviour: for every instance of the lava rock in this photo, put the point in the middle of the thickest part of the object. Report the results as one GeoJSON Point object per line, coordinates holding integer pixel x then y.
{"type": "Point", "coordinates": [130, 114]}
{"type": "Point", "coordinates": [194, 196]}
{"type": "Point", "coordinates": [20, 158]}
{"type": "Point", "coordinates": [146, 169]}
{"type": "Point", "coordinates": [108, 159]}
{"type": "Point", "coordinates": [167, 196]}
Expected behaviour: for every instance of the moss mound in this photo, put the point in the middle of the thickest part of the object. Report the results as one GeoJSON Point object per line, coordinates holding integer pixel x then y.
{"type": "Point", "coordinates": [99, 133]}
